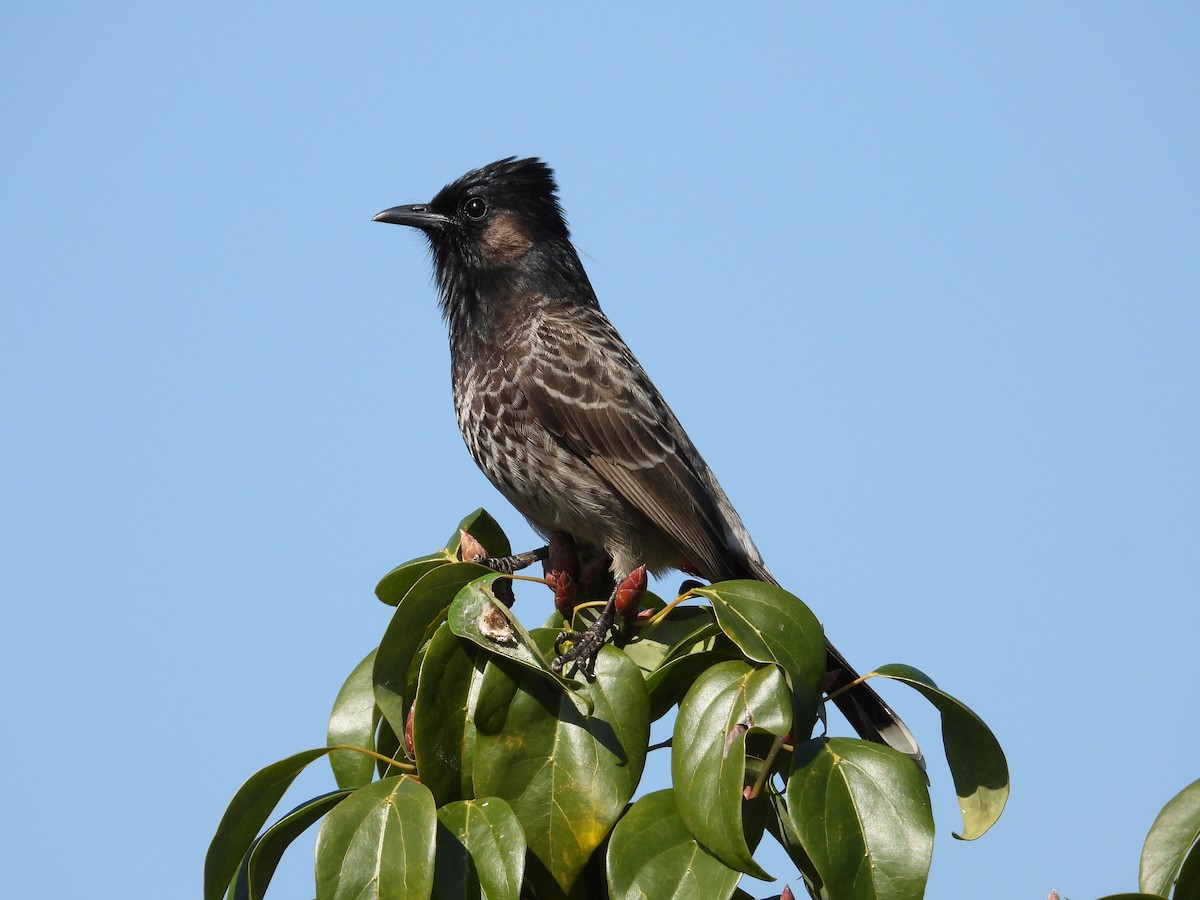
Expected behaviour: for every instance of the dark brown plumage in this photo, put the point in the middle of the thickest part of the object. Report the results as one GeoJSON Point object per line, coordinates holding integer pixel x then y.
{"type": "Point", "coordinates": [559, 414]}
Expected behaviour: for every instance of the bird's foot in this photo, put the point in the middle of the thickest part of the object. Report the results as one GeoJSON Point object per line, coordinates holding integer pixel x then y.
{"type": "Point", "coordinates": [585, 645]}
{"type": "Point", "coordinates": [472, 551]}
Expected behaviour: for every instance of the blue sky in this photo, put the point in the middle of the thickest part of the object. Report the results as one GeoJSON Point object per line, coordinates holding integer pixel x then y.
{"type": "Point", "coordinates": [920, 281]}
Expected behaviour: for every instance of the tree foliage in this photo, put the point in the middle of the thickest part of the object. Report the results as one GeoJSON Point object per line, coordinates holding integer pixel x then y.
{"type": "Point", "coordinates": [1170, 865]}
{"type": "Point", "coordinates": [467, 768]}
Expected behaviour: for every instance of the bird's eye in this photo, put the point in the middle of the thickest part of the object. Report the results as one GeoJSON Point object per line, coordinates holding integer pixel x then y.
{"type": "Point", "coordinates": [475, 208]}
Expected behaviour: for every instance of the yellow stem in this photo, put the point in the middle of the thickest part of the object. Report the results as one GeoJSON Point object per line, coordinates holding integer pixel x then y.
{"type": "Point", "coordinates": [515, 577]}
{"type": "Point", "coordinates": [402, 766]}
{"type": "Point", "coordinates": [590, 604]}
{"type": "Point", "coordinates": [658, 617]}
{"type": "Point", "coordinates": [765, 773]}
{"type": "Point", "coordinates": [855, 683]}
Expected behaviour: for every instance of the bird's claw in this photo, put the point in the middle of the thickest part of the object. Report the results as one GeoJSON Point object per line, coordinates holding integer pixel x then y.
{"type": "Point", "coordinates": [585, 645]}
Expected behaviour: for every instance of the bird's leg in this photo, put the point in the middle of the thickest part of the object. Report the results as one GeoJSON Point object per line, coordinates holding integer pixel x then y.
{"type": "Point", "coordinates": [514, 563]}
{"type": "Point", "coordinates": [472, 551]}
{"type": "Point", "coordinates": [625, 599]}
{"type": "Point", "coordinates": [561, 570]}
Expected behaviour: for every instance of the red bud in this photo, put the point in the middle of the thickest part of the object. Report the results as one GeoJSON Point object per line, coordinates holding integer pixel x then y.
{"type": "Point", "coordinates": [630, 592]}
{"type": "Point", "coordinates": [565, 593]}
{"type": "Point", "coordinates": [469, 548]}
{"type": "Point", "coordinates": [408, 740]}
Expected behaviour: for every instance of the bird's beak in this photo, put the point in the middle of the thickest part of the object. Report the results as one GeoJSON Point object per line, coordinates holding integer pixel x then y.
{"type": "Point", "coordinates": [418, 215]}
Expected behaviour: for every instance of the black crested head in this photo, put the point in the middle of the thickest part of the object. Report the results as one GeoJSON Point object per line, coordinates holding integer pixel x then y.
{"type": "Point", "coordinates": [495, 233]}
{"type": "Point", "coordinates": [523, 187]}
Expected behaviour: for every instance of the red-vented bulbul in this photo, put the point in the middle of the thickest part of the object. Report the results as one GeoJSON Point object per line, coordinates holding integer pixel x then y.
{"type": "Point", "coordinates": [561, 417]}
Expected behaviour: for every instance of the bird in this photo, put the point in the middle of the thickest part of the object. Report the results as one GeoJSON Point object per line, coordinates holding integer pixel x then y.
{"type": "Point", "coordinates": [564, 421]}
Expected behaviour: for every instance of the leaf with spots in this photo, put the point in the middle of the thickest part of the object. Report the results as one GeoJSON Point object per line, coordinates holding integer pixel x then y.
{"type": "Point", "coordinates": [566, 776]}
{"type": "Point", "coordinates": [479, 617]}
{"type": "Point", "coordinates": [708, 752]}
{"type": "Point", "coordinates": [772, 625]}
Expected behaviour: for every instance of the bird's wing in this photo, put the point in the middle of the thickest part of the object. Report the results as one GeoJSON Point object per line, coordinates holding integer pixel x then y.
{"type": "Point", "coordinates": [583, 384]}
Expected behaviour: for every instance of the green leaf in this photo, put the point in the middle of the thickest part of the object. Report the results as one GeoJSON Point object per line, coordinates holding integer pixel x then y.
{"type": "Point", "coordinates": [671, 654]}
{"type": "Point", "coordinates": [976, 761]}
{"type": "Point", "coordinates": [259, 865]}
{"type": "Point", "coordinates": [1173, 833]}
{"type": "Point", "coordinates": [480, 851]}
{"type": "Point", "coordinates": [1133, 897]}
{"type": "Point", "coordinates": [247, 813]}
{"type": "Point", "coordinates": [479, 617]}
{"type": "Point", "coordinates": [378, 844]}
{"type": "Point", "coordinates": [393, 587]}
{"type": "Point", "coordinates": [501, 681]}
{"type": "Point", "coordinates": [1187, 886]}
{"type": "Point", "coordinates": [653, 854]}
{"type": "Point", "coordinates": [444, 713]}
{"type": "Point", "coordinates": [413, 623]}
{"type": "Point", "coordinates": [771, 625]}
{"type": "Point", "coordinates": [387, 743]}
{"type": "Point", "coordinates": [780, 826]}
{"type": "Point", "coordinates": [353, 722]}
{"type": "Point", "coordinates": [695, 643]}
{"type": "Point", "coordinates": [397, 583]}
{"type": "Point", "coordinates": [481, 526]}
{"type": "Point", "coordinates": [566, 776]}
{"type": "Point", "coordinates": [701, 647]}
{"type": "Point", "coordinates": [669, 683]}
{"type": "Point", "coordinates": [684, 628]}
{"type": "Point", "coordinates": [708, 753]}
{"type": "Point", "coordinates": [862, 813]}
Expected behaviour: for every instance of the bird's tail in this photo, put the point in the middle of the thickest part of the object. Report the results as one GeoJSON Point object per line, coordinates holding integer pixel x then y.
{"type": "Point", "coordinates": [865, 710]}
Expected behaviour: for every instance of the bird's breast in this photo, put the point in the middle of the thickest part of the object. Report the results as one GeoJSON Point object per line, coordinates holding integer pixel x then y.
{"type": "Point", "coordinates": [550, 485]}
